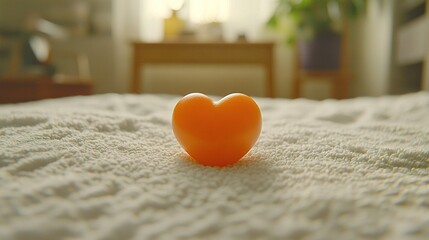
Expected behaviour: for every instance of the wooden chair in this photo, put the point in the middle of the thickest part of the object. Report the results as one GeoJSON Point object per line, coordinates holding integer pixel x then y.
{"type": "Point", "coordinates": [339, 78]}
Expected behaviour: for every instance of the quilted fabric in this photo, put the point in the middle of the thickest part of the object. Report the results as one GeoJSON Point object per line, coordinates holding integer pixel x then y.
{"type": "Point", "coordinates": [109, 167]}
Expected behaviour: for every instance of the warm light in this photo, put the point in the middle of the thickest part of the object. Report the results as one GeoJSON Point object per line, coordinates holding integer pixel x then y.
{"type": "Point", "coordinates": [206, 11]}
{"type": "Point", "coordinates": [157, 8]}
{"type": "Point", "coordinates": [175, 4]}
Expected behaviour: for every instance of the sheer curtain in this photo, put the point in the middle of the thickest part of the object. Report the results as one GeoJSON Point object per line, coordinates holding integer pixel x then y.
{"type": "Point", "coordinates": [125, 27]}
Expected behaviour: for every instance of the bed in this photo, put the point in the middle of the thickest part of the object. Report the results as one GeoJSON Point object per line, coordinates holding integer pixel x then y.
{"type": "Point", "coordinates": [109, 167]}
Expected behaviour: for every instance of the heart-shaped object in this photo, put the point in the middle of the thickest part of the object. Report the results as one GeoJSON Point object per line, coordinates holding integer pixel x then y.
{"type": "Point", "coordinates": [217, 133]}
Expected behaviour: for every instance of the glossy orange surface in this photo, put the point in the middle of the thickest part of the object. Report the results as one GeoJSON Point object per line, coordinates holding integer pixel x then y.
{"type": "Point", "coordinates": [217, 133]}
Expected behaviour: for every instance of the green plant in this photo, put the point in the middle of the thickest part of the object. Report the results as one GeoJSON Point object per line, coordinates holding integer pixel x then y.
{"type": "Point", "coordinates": [298, 19]}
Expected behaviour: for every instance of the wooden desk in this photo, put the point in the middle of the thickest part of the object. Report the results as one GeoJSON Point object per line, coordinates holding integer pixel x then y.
{"type": "Point", "coordinates": [202, 53]}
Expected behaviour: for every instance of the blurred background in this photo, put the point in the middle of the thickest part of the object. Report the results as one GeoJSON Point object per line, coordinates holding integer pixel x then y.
{"type": "Point", "coordinates": [55, 48]}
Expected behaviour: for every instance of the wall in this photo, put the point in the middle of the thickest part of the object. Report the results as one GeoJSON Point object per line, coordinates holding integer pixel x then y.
{"type": "Point", "coordinates": [100, 54]}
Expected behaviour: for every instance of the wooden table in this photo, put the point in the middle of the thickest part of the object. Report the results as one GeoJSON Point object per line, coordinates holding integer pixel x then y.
{"type": "Point", "coordinates": [202, 53]}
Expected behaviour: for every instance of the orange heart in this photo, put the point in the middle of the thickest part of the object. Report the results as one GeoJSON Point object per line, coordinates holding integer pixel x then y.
{"type": "Point", "coordinates": [217, 133]}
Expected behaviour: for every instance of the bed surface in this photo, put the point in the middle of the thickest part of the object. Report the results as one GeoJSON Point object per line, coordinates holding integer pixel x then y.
{"type": "Point", "coordinates": [109, 167]}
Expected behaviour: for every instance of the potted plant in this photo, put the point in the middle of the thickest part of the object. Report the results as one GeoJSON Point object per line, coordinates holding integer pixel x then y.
{"type": "Point", "coordinates": [315, 26]}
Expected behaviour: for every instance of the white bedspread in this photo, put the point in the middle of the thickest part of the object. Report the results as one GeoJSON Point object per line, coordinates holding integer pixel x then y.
{"type": "Point", "coordinates": [109, 167]}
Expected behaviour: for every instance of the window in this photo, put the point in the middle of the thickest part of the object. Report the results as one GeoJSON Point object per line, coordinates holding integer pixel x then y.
{"type": "Point", "coordinates": [238, 16]}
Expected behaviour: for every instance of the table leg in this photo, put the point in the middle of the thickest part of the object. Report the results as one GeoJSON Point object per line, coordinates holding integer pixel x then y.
{"type": "Point", "coordinates": [135, 86]}
{"type": "Point", "coordinates": [269, 71]}
{"type": "Point", "coordinates": [297, 78]}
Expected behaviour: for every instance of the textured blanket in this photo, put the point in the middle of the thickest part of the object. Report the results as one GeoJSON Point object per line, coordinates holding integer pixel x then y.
{"type": "Point", "coordinates": [109, 167]}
